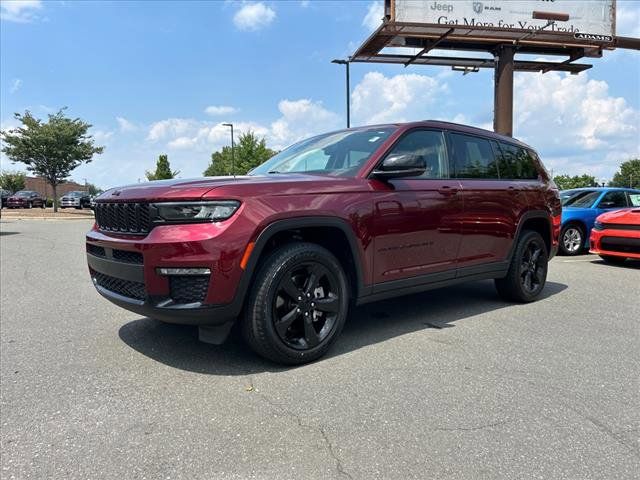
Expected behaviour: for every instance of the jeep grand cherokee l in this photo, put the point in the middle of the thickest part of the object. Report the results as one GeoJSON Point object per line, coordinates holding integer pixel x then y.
{"type": "Point", "coordinates": [340, 219]}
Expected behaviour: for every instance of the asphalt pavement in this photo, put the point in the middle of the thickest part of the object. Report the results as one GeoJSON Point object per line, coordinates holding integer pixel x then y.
{"type": "Point", "coordinates": [452, 383]}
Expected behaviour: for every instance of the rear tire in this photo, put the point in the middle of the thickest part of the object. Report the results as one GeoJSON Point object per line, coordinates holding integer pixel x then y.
{"type": "Point", "coordinates": [572, 240]}
{"type": "Point", "coordinates": [297, 305]}
{"type": "Point", "coordinates": [612, 259]}
{"type": "Point", "coordinates": [527, 272]}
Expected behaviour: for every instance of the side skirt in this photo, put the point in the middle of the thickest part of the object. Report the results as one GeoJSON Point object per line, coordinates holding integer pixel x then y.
{"type": "Point", "coordinates": [433, 281]}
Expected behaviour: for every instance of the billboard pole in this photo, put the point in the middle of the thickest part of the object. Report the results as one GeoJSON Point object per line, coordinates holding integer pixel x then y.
{"type": "Point", "coordinates": [503, 91]}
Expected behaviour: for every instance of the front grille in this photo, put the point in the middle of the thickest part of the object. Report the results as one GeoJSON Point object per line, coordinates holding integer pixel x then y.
{"type": "Point", "coordinates": [620, 244]}
{"type": "Point", "coordinates": [620, 226]}
{"type": "Point", "coordinates": [123, 217]}
{"type": "Point", "coordinates": [96, 250]}
{"type": "Point", "coordinates": [188, 288]}
{"type": "Point", "coordinates": [127, 256]}
{"type": "Point", "coordinates": [126, 288]}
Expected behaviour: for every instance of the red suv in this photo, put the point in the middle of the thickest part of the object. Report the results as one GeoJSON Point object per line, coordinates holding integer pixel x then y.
{"type": "Point", "coordinates": [340, 219]}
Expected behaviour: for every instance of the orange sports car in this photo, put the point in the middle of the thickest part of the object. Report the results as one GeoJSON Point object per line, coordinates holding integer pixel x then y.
{"type": "Point", "coordinates": [616, 235]}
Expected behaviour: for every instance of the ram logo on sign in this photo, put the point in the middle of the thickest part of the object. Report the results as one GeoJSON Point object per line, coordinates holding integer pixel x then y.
{"type": "Point", "coordinates": [594, 17]}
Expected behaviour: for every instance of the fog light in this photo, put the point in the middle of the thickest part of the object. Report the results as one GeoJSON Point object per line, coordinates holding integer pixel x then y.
{"type": "Point", "coordinates": [184, 271]}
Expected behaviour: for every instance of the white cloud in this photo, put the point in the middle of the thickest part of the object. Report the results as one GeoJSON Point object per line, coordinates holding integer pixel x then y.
{"type": "Point", "coordinates": [101, 136]}
{"type": "Point", "coordinates": [628, 19]}
{"type": "Point", "coordinates": [304, 3]}
{"type": "Point", "coordinates": [171, 127]}
{"type": "Point", "coordinates": [125, 125]}
{"type": "Point", "coordinates": [254, 16]}
{"type": "Point", "coordinates": [15, 85]}
{"type": "Point", "coordinates": [373, 18]}
{"type": "Point", "coordinates": [300, 119]}
{"type": "Point", "coordinates": [401, 98]}
{"type": "Point", "coordinates": [20, 11]}
{"type": "Point", "coordinates": [575, 122]}
{"type": "Point", "coordinates": [214, 110]}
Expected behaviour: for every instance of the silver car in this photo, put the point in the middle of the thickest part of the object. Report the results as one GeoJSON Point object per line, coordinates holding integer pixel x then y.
{"type": "Point", "coordinates": [75, 200]}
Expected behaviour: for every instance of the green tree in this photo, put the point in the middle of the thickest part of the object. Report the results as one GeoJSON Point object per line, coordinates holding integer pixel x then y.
{"type": "Point", "coordinates": [249, 152]}
{"type": "Point", "coordinates": [163, 170]}
{"type": "Point", "coordinates": [12, 181]}
{"type": "Point", "coordinates": [51, 149]}
{"type": "Point", "coordinates": [93, 190]}
{"type": "Point", "coordinates": [566, 182]}
{"type": "Point", "coordinates": [628, 175]}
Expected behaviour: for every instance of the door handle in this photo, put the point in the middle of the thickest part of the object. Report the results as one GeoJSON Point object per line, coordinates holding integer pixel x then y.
{"type": "Point", "coordinates": [447, 190]}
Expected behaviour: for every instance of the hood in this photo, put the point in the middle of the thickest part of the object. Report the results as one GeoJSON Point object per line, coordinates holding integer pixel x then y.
{"type": "Point", "coordinates": [627, 216]}
{"type": "Point", "coordinates": [196, 188]}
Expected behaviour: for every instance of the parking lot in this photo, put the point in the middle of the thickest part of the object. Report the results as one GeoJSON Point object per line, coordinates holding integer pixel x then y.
{"type": "Point", "coordinates": [451, 383]}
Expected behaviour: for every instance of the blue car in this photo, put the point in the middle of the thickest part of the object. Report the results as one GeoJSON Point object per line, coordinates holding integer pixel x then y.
{"type": "Point", "coordinates": [581, 206]}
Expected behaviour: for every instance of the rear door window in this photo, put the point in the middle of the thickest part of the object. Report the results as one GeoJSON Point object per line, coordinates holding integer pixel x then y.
{"type": "Point", "coordinates": [473, 157]}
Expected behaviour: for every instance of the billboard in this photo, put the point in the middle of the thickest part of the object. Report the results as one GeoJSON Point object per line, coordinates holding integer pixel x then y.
{"type": "Point", "coordinates": [586, 19]}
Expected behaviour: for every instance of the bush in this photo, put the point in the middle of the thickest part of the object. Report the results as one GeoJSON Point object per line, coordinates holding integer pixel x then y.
{"type": "Point", "coordinates": [49, 202]}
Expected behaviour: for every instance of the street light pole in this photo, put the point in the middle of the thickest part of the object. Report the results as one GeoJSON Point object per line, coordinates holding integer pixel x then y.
{"type": "Point", "coordinates": [346, 64]}
{"type": "Point", "coordinates": [233, 160]}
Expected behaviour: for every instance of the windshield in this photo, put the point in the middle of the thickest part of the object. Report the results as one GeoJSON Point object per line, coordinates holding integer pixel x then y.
{"type": "Point", "coordinates": [75, 194]}
{"type": "Point", "coordinates": [582, 200]}
{"type": "Point", "coordinates": [339, 153]}
{"type": "Point", "coordinates": [24, 194]}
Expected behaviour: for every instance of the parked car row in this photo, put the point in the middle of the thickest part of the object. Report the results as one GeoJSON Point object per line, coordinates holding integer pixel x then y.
{"type": "Point", "coordinates": [31, 199]}
{"type": "Point", "coordinates": [581, 207]}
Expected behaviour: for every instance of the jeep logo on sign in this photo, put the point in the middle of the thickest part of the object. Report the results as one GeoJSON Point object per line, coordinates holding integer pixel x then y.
{"type": "Point", "coordinates": [477, 7]}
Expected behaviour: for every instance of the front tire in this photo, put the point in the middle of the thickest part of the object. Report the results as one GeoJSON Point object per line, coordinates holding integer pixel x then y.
{"type": "Point", "coordinates": [298, 304]}
{"type": "Point", "coordinates": [612, 259]}
{"type": "Point", "coordinates": [527, 272]}
{"type": "Point", "coordinates": [572, 240]}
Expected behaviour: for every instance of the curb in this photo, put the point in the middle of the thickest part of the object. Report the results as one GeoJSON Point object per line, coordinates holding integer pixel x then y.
{"type": "Point", "coordinates": [47, 218]}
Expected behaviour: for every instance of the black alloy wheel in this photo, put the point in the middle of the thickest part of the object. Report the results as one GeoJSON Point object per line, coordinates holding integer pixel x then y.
{"type": "Point", "coordinates": [306, 305]}
{"type": "Point", "coordinates": [532, 271]}
{"type": "Point", "coordinates": [527, 273]}
{"type": "Point", "coordinates": [297, 304]}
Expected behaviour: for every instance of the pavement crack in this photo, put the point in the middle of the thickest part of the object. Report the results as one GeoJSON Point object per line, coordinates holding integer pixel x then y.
{"type": "Point", "coordinates": [470, 429]}
{"type": "Point", "coordinates": [280, 409]}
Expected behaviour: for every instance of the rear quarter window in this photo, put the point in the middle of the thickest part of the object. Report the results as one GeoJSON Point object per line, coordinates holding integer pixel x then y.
{"type": "Point", "coordinates": [516, 163]}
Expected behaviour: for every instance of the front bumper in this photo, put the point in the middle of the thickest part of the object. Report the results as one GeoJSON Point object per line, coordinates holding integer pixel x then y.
{"type": "Point", "coordinates": [617, 243]}
{"type": "Point", "coordinates": [70, 203]}
{"type": "Point", "coordinates": [124, 269]}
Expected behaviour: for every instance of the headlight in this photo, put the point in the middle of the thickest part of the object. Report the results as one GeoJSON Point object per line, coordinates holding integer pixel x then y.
{"type": "Point", "coordinates": [598, 226]}
{"type": "Point", "coordinates": [193, 212]}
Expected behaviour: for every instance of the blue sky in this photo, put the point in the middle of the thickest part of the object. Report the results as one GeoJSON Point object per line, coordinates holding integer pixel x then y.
{"type": "Point", "coordinates": [161, 77]}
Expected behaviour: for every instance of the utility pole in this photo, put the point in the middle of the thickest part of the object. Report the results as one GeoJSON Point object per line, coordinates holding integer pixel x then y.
{"type": "Point", "coordinates": [346, 64]}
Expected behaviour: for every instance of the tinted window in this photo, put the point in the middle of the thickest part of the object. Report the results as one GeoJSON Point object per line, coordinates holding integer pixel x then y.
{"type": "Point", "coordinates": [569, 197]}
{"type": "Point", "coordinates": [583, 201]}
{"type": "Point", "coordinates": [613, 200]}
{"type": "Point", "coordinates": [430, 146]}
{"type": "Point", "coordinates": [473, 157]}
{"type": "Point", "coordinates": [516, 163]}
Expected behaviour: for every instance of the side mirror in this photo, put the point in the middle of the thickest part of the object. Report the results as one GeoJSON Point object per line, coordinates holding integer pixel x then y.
{"type": "Point", "coordinates": [397, 166]}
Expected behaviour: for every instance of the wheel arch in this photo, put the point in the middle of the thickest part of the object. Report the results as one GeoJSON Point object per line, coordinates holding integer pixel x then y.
{"type": "Point", "coordinates": [538, 221]}
{"type": "Point", "coordinates": [333, 233]}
